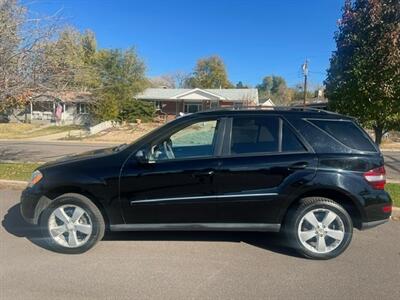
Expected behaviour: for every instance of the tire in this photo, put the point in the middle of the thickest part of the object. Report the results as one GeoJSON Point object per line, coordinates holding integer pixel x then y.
{"type": "Point", "coordinates": [72, 224]}
{"type": "Point", "coordinates": [326, 236]}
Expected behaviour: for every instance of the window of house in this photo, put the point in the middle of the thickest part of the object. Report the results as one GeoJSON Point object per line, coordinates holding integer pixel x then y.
{"type": "Point", "coordinates": [192, 107]}
{"type": "Point", "coordinates": [158, 105]}
{"type": "Point", "coordinates": [263, 134]}
{"type": "Point", "coordinates": [83, 108]}
{"type": "Point", "coordinates": [238, 105]}
{"type": "Point", "coordinates": [214, 104]}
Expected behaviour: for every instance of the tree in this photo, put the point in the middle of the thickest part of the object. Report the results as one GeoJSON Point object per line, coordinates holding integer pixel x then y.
{"type": "Point", "coordinates": [275, 87]}
{"type": "Point", "coordinates": [209, 73]}
{"type": "Point", "coordinates": [364, 75]}
{"type": "Point", "coordinates": [70, 61]}
{"type": "Point", "coordinates": [181, 79]}
{"type": "Point", "coordinates": [298, 92]}
{"type": "Point", "coordinates": [240, 85]}
{"type": "Point", "coordinates": [167, 81]}
{"type": "Point", "coordinates": [122, 77]}
{"type": "Point", "coordinates": [22, 41]}
{"type": "Point", "coordinates": [266, 86]}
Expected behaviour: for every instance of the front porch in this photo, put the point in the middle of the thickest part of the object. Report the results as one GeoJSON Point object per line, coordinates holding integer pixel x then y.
{"type": "Point", "coordinates": [48, 109]}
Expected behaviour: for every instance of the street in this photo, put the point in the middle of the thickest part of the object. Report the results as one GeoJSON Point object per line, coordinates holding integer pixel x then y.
{"type": "Point", "coordinates": [38, 151]}
{"type": "Point", "coordinates": [29, 151]}
{"type": "Point", "coordinates": [192, 265]}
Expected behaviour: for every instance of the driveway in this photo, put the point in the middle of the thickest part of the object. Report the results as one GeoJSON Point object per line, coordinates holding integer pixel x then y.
{"type": "Point", "coordinates": [47, 151]}
{"type": "Point", "coordinates": [193, 266]}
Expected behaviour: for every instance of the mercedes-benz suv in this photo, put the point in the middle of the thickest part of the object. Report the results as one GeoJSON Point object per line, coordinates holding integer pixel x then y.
{"type": "Point", "coordinates": [309, 174]}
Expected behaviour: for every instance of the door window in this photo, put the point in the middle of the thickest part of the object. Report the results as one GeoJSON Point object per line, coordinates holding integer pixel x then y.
{"type": "Point", "coordinates": [262, 134]}
{"type": "Point", "coordinates": [195, 140]}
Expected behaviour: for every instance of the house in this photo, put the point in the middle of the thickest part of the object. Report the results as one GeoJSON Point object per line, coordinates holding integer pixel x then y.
{"type": "Point", "coordinates": [267, 103]}
{"type": "Point", "coordinates": [173, 102]}
{"type": "Point", "coordinates": [64, 108]}
{"type": "Point", "coordinates": [313, 103]}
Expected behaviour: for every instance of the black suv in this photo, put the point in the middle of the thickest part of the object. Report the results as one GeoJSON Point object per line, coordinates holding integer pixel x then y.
{"type": "Point", "coordinates": [312, 175]}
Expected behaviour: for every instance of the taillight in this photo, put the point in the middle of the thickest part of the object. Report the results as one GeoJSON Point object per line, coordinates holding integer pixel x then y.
{"type": "Point", "coordinates": [376, 178]}
{"type": "Point", "coordinates": [387, 209]}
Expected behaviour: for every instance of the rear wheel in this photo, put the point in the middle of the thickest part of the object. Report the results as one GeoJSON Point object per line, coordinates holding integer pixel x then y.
{"type": "Point", "coordinates": [72, 224]}
{"type": "Point", "coordinates": [319, 228]}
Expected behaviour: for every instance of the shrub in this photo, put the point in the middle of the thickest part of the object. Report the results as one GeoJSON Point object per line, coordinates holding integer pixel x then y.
{"type": "Point", "coordinates": [135, 109]}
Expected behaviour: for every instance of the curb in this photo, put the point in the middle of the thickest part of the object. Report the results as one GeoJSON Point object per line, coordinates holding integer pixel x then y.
{"type": "Point", "coordinates": [390, 150]}
{"type": "Point", "coordinates": [13, 184]}
{"type": "Point", "coordinates": [395, 214]}
{"type": "Point", "coordinates": [392, 181]}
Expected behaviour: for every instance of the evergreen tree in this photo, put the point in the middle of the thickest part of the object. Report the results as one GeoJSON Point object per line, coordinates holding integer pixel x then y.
{"type": "Point", "coordinates": [364, 75]}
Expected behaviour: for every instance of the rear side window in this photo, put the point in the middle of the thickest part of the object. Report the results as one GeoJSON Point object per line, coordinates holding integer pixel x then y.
{"type": "Point", "coordinates": [347, 133]}
{"type": "Point", "coordinates": [290, 142]}
{"type": "Point", "coordinates": [262, 134]}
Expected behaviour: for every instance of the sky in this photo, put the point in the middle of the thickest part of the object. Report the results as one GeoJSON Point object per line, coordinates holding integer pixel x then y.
{"type": "Point", "coordinates": [255, 38]}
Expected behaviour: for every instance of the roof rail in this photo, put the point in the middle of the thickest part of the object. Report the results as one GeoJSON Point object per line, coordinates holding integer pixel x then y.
{"type": "Point", "coordinates": [287, 108]}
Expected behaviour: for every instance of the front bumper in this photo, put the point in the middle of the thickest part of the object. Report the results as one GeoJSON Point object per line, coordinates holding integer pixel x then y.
{"type": "Point", "coordinates": [32, 205]}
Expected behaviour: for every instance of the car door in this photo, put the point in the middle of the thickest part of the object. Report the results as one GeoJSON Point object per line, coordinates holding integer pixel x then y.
{"type": "Point", "coordinates": [176, 184]}
{"type": "Point", "coordinates": [263, 161]}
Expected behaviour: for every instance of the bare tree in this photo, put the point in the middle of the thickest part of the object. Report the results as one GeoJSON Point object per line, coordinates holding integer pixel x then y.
{"type": "Point", "coordinates": [23, 40]}
{"type": "Point", "coordinates": [181, 79]}
{"type": "Point", "coordinates": [167, 81]}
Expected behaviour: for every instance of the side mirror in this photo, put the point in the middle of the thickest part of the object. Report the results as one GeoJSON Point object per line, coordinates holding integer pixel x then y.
{"type": "Point", "coordinates": [141, 157]}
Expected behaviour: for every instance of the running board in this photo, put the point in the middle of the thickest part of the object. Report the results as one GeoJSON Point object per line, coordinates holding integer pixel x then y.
{"type": "Point", "coordinates": [197, 227]}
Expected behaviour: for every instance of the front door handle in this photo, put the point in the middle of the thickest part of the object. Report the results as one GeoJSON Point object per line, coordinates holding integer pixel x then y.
{"type": "Point", "coordinates": [298, 166]}
{"type": "Point", "coordinates": [203, 174]}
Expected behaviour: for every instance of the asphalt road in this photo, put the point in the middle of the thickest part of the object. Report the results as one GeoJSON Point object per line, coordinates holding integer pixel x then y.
{"type": "Point", "coordinates": [38, 151]}
{"type": "Point", "coordinates": [197, 265]}
{"type": "Point", "coordinates": [47, 151]}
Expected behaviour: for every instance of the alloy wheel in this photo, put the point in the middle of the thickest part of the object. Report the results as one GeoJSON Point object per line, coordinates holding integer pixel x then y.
{"type": "Point", "coordinates": [70, 226]}
{"type": "Point", "coordinates": [321, 230]}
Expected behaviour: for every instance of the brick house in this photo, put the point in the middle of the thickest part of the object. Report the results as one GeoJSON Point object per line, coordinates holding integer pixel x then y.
{"type": "Point", "coordinates": [176, 101]}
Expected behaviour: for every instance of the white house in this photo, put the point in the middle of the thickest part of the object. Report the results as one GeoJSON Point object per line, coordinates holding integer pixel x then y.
{"type": "Point", "coordinates": [64, 108]}
{"type": "Point", "coordinates": [175, 101]}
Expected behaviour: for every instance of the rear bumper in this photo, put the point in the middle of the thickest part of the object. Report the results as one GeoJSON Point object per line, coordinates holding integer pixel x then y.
{"type": "Point", "coordinates": [368, 225]}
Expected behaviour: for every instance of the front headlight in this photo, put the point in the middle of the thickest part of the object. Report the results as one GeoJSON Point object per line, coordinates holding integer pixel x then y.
{"type": "Point", "coordinates": [36, 177]}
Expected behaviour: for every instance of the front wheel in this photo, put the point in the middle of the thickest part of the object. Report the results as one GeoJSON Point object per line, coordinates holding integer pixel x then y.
{"type": "Point", "coordinates": [72, 224]}
{"type": "Point", "coordinates": [319, 228]}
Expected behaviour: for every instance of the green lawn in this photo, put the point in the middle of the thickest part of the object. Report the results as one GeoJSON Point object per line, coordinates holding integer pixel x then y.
{"type": "Point", "coordinates": [23, 171]}
{"type": "Point", "coordinates": [17, 171]}
{"type": "Point", "coordinates": [21, 131]}
{"type": "Point", "coordinates": [394, 190]}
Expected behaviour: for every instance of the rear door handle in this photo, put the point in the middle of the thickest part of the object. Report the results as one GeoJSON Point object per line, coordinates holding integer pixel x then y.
{"type": "Point", "coordinates": [204, 174]}
{"type": "Point", "coordinates": [298, 166]}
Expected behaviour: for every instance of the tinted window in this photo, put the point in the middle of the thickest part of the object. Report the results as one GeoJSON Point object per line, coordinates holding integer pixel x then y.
{"type": "Point", "coordinates": [347, 133]}
{"type": "Point", "coordinates": [290, 142]}
{"type": "Point", "coordinates": [251, 135]}
{"type": "Point", "coordinates": [261, 134]}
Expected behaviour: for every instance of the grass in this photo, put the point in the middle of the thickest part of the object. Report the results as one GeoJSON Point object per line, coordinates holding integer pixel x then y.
{"type": "Point", "coordinates": [23, 171]}
{"type": "Point", "coordinates": [17, 171]}
{"type": "Point", "coordinates": [394, 190]}
{"type": "Point", "coordinates": [21, 131]}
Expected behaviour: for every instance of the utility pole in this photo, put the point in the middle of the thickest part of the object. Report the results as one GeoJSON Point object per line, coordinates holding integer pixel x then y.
{"type": "Point", "coordinates": [305, 73]}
